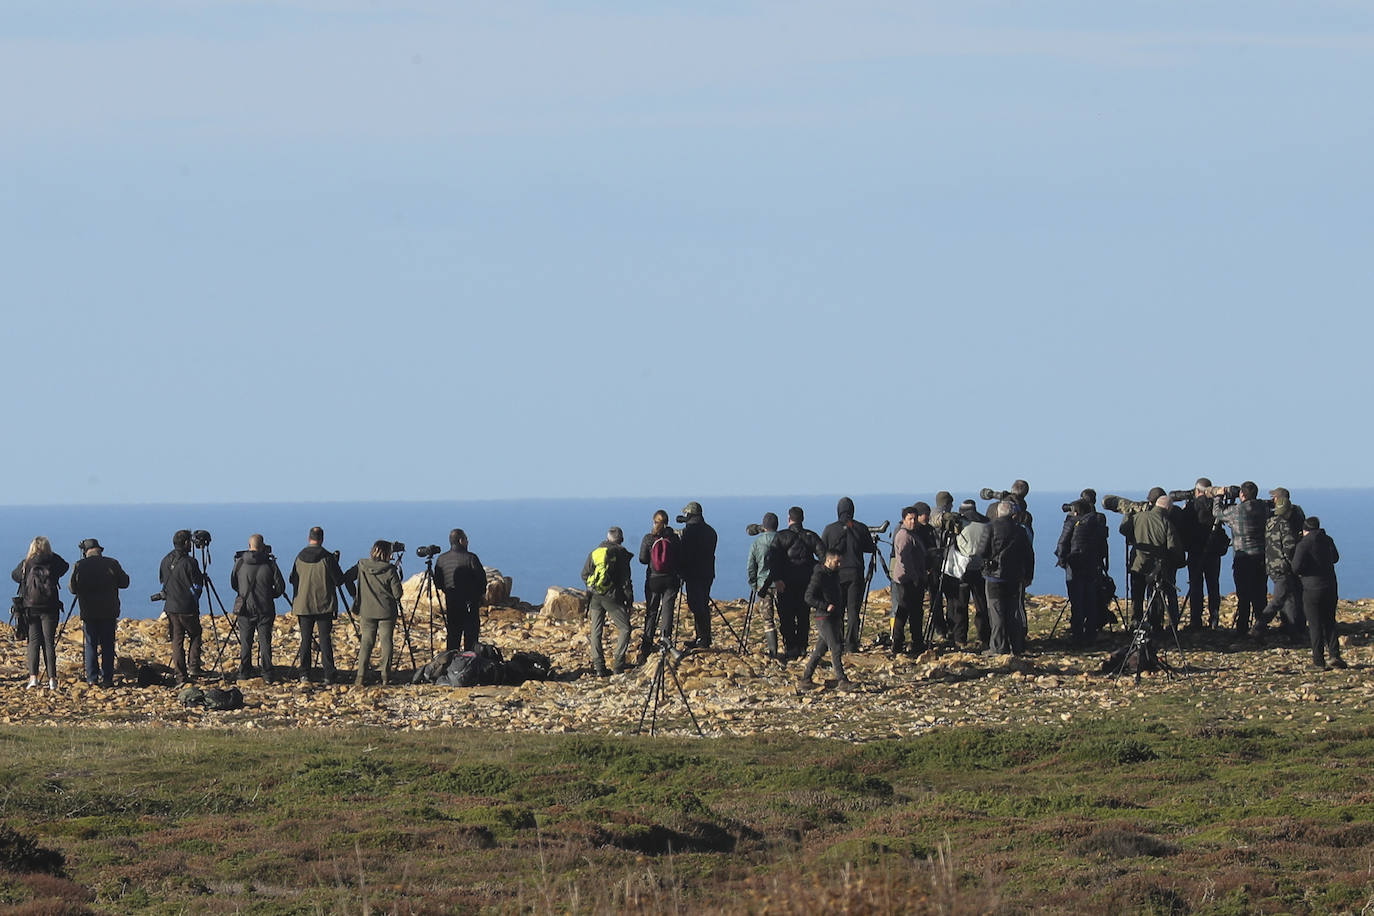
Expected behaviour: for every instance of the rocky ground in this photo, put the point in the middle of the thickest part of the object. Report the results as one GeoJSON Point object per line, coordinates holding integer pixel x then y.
{"type": "Point", "coordinates": [730, 694]}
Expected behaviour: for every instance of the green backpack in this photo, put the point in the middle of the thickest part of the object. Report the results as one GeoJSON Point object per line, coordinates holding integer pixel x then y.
{"type": "Point", "coordinates": [602, 577]}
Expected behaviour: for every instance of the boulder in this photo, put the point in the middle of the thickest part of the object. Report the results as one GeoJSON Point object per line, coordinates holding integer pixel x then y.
{"type": "Point", "coordinates": [498, 587]}
{"type": "Point", "coordinates": [565, 603]}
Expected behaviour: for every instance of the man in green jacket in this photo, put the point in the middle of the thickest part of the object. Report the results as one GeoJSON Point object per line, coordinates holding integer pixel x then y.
{"type": "Point", "coordinates": [608, 576]}
{"type": "Point", "coordinates": [1156, 557]}
{"type": "Point", "coordinates": [315, 581]}
{"type": "Point", "coordinates": [760, 581]}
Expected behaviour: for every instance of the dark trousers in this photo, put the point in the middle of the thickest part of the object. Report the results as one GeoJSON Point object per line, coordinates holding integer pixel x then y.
{"type": "Point", "coordinates": [943, 592]}
{"type": "Point", "coordinates": [660, 603]}
{"type": "Point", "coordinates": [699, 603]}
{"type": "Point", "coordinates": [906, 610]}
{"type": "Point", "coordinates": [971, 586]}
{"type": "Point", "coordinates": [1006, 633]}
{"type": "Point", "coordinates": [98, 649]}
{"type": "Point", "coordinates": [42, 637]}
{"type": "Point", "coordinates": [827, 640]}
{"type": "Point", "coordinates": [1083, 604]}
{"type": "Point", "coordinates": [852, 587]}
{"type": "Point", "coordinates": [248, 627]}
{"type": "Point", "coordinates": [1204, 574]}
{"type": "Point", "coordinates": [462, 622]}
{"type": "Point", "coordinates": [186, 633]}
{"type": "Point", "coordinates": [1286, 605]}
{"type": "Point", "coordinates": [1247, 570]}
{"type": "Point", "coordinates": [794, 617]}
{"type": "Point", "coordinates": [1319, 603]}
{"type": "Point", "coordinates": [322, 628]}
{"type": "Point", "coordinates": [375, 632]}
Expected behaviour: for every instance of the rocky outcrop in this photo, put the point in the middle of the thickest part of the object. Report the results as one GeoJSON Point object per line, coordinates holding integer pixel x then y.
{"type": "Point", "coordinates": [565, 603]}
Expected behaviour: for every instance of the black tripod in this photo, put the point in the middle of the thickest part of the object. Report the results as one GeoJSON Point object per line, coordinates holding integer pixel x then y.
{"type": "Point", "coordinates": [656, 690]}
{"type": "Point", "coordinates": [427, 582]}
{"type": "Point", "coordinates": [1141, 647]}
{"type": "Point", "coordinates": [748, 618]}
{"type": "Point", "coordinates": [875, 559]}
{"type": "Point", "coordinates": [204, 547]}
{"type": "Point", "coordinates": [937, 600]}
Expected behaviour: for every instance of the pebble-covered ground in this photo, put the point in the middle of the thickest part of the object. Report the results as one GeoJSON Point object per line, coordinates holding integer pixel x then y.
{"type": "Point", "coordinates": [730, 693]}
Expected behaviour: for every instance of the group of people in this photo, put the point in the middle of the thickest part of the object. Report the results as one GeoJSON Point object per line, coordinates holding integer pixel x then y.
{"type": "Point", "coordinates": [317, 582]}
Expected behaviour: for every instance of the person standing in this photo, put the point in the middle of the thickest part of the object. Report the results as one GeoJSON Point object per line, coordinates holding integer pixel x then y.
{"type": "Point", "coordinates": [1282, 531]}
{"type": "Point", "coordinates": [757, 572]}
{"type": "Point", "coordinates": [258, 582]}
{"type": "Point", "coordinates": [609, 578]}
{"type": "Point", "coordinates": [1008, 567]}
{"type": "Point", "coordinates": [973, 534]}
{"type": "Point", "coordinates": [459, 574]}
{"type": "Point", "coordinates": [1157, 556]}
{"type": "Point", "coordinates": [795, 552]}
{"type": "Point", "coordinates": [96, 581]}
{"type": "Point", "coordinates": [379, 601]}
{"type": "Point", "coordinates": [37, 576]}
{"type": "Point", "coordinates": [852, 539]}
{"type": "Point", "coordinates": [698, 570]}
{"type": "Point", "coordinates": [1246, 520]}
{"type": "Point", "coordinates": [182, 582]}
{"type": "Point", "coordinates": [659, 551]}
{"type": "Point", "coordinates": [825, 596]}
{"type": "Point", "coordinates": [908, 584]}
{"type": "Point", "coordinates": [1082, 552]}
{"type": "Point", "coordinates": [1314, 560]}
{"type": "Point", "coordinates": [315, 581]}
{"type": "Point", "coordinates": [1205, 545]}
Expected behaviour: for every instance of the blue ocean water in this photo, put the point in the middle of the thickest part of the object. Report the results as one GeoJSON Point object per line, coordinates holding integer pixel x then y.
{"type": "Point", "coordinates": [543, 542]}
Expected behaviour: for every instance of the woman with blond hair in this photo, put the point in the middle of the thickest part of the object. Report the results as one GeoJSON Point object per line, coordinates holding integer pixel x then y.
{"type": "Point", "coordinates": [379, 601]}
{"type": "Point", "coordinates": [38, 574]}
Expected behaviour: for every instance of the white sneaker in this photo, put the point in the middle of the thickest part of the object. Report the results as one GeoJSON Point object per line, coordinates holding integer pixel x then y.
{"type": "Point", "coordinates": [52, 684]}
{"type": "Point", "coordinates": [33, 682]}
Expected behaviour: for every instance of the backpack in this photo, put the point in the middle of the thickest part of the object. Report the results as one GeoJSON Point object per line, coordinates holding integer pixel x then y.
{"type": "Point", "coordinates": [663, 556]}
{"type": "Point", "coordinates": [602, 577]}
{"type": "Point", "coordinates": [40, 591]}
{"type": "Point", "coordinates": [799, 553]}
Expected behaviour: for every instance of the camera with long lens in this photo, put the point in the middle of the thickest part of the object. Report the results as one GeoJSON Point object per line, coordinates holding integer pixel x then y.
{"type": "Point", "coordinates": [201, 538]}
{"type": "Point", "coordinates": [1180, 496]}
{"type": "Point", "coordinates": [425, 553]}
{"type": "Point", "coordinates": [996, 495]}
{"type": "Point", "coordinates": [157, 596]}
{"type": "Point", "coordinates": [682, 519]}
{"type": "Point", "coordinates": [1113, 503]}
{"type": "Point", "coordinates": [398, 546]}
{"type": "Point", "coordinates": [1066, 508]}
{"type": "Point", "coordinates": [753, 529]}
{"type": "Point", "coordinates": [880, 529]}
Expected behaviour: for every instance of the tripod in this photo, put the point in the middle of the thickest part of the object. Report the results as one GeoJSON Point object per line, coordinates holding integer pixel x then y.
{"type": "Point", "coordinates": [426, 588]}
{"type": "Point", "coordinates": [874, 560]}
{"type": "Point", "coordinates": [1141, 647]}
{"type": "Point", "coordinates": [655, 696]}
{"type": "Point", "coordinates": [937, 599]}
{"type": "Point", "coordinates": [215, 599]}
{"type": "Point", "coordinates": [748, 618]}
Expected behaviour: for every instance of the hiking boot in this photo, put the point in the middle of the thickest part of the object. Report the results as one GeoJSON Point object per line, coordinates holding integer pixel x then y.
{"type": "Point", "coordinates": [1319, 663]}
{"type": "Point", "coordinates": [844, 685]}
{"type": "Point", "coordinates": [804, 683]}
{"type": "Point", "coordinates": [601, 671]}
{"type": "Point", "coordinates": [1338, 662]}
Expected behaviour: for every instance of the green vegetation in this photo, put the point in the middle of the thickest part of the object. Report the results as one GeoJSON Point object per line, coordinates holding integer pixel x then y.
{"type": "Point", "coordinates": [1099, 816]}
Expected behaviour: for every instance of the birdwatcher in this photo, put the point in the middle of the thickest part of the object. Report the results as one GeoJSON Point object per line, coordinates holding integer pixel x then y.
{"type": "Point", "coordinates": [96, 581]}
{"type": "Point", "coordinates": [609, 578]}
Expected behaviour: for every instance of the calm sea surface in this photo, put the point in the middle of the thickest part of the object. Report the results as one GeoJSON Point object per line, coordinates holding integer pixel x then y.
{"type": "Point", "coordinates": [543, 542]}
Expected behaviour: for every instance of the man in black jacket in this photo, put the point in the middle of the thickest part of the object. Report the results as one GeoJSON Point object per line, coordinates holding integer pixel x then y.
{"type": "Point", "coordinates": [1082, 554]}
{"type": "Point", "coordinates": [825, 596]}
{"type": "Point", "coordinates": [1205, 545]}
{"type": "Point", "coordinates": [698, 570]}
{"type": "Point", "coordinates": [182, 582]}
{"type": "Point", "coordinates": [792, 557]}
{"type": "Point", "coordinates": [258, 582]}
{"type": "Point", "coordinates": [1314, 561]}
{"type": "Point", "coordinates": [1008, 567]}
{"type": "Point", "coordinates": [852, 540]}
{"type": "Point", "coordinates": [315, 581]}
{"type": "Point", "coordinates": [96, 581]}
{"type": "Point", "coordinates": [459, 574]}
{"type": "Point", "coordinates": [607, 572]}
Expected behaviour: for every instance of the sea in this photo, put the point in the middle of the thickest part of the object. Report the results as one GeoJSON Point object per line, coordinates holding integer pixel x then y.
{"type": "Point", "coordinates": [543, 542]}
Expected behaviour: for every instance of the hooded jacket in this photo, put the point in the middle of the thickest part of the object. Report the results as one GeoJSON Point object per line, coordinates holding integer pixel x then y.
{"type": "Point", "coordinates": [182, 581]}
{"type": "Point", "coordinates": [258, 581]}
{"type": "Point", "coordinates": [379, 589]}
{"type": "Point", "coordinates": [852, 539]}
{"type": "Point", "coordinates": [315, 581]}
{"type": "Point", "coordinates": [96, 581]}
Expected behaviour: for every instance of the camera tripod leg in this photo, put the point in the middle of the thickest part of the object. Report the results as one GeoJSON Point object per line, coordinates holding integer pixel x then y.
{"type": "Point", "coordinates": [748, 617]}
{"type": "Point", "coordinates": [1054, 629]}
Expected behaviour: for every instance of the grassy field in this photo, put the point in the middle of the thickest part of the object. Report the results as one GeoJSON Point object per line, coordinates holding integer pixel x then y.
{"type": "Point", "coordinates": [1103, 817]}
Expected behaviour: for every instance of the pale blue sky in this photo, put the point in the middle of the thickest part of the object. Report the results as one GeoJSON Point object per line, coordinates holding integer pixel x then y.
{"type": "Point", "coordinates": [336, 249]}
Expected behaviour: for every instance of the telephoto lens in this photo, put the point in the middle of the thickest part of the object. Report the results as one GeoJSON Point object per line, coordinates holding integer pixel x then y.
{"type": "Point", "coordinates": [753, 529]}
{"type": "Point", "coordinates": [425, 553]}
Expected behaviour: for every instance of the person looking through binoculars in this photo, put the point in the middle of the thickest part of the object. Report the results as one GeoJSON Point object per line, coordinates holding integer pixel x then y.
{"type": "Point", "coordinates": [96, 581]}
{"type": "Point", "coordinates": [459, 574]}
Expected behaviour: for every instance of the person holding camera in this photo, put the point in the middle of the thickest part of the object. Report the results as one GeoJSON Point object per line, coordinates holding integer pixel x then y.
{"type": "Point", "coordinates": [825, 596]}
{"type": "Point", "coordinates": [1157, 556]}
{"type": "Point", "coordinates": [182, 582]}
{"type": "Point", "coordinates": [942, 590]}
{"type": "Point", "coordinates": [965, 567]}
{"type": "Point", "coordinates": [37, 576]}
{"type": "Point", "coordinates": [379, 591]}
{"type": "Point", "coordinates": [757, 572]}
{"type": "Point", "coordinates": [1314, 560]}
{"type": "Point", "coordinates": [1008, 567]}
{"type": "Point", "coordinates": [258, 582]}
{"type": "Point", "coordinates": [909, 573]}
{"type": "Point", "coordinates": [1282, 532]}
{"type": "Point", "coordinates": [315, 581]}
{"type": "Point", "coordinates": [660, 552]}
{"type": "Point", "coordinates": [793, 558]}
{"type": "Point", "coordinates": [1246, 520]}
{"type": "Point", "coordinates": [459, 574]}
{"type": "Point", "coordinates": [610, 585]}
{"type": "Point", "coordinates": [852, 540]}
{"type": "Point", "coordinates": [1205, 545]}
{"type": "Point", "coordinates": [1082, 554]}
{"type": "Point", "coordinates": [698, 570]}
{"type": "Point", "coordinates": [96, 581]}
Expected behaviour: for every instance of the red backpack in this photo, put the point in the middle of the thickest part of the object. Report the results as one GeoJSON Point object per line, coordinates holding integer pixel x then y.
{"type": "Point", "coordinates": [663, 556]}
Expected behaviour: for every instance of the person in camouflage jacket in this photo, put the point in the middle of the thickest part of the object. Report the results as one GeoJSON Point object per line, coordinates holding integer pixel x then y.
{"type": "Point", "coordinates": [1282, 532]}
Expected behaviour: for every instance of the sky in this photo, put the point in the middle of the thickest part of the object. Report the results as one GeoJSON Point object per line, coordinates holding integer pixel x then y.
{"type": "Point", "coordinates": [359, 250]}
